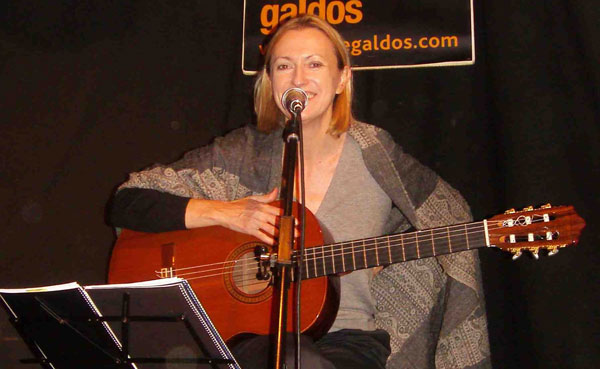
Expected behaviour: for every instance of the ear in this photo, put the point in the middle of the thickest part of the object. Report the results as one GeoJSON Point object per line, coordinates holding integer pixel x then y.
{"type": "Point", "coordinates": [345, 78]}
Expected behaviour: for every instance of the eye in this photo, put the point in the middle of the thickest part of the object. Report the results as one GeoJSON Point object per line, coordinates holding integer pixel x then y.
{"type": "Point", "coordinates": [282, 66]}
{"type": "Point", "coordinates": [315, 64]}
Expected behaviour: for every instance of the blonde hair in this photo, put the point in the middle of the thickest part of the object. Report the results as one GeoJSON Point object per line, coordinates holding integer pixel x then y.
{"type": "Point", "coordinates": [268, 115]}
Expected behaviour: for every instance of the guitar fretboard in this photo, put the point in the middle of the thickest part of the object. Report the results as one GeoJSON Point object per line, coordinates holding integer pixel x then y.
{"type": "Point", "coordinates": [371, 252]}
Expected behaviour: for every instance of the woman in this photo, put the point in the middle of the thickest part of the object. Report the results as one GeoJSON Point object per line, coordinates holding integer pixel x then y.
{"type": "Point", "coordinates": [358, 184]}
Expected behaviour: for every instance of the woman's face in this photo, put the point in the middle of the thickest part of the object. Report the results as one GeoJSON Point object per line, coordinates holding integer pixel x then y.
{"type": "Point", "coordinates": [306, 59]}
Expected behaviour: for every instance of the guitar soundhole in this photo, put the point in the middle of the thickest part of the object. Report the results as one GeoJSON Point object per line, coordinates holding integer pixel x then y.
{"type": "Point", "coordinates": [243, 283]}
{"type": "Point", "coordinates": [245, 275]}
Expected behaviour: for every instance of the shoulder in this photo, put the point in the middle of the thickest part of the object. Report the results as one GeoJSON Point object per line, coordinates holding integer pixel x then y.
{"type": "Point", "coordinates": [392, 167]}
{"type": "Point", "coordinates": [244, 135]}
{"type": "Point", "coordinates": [235, 144]}
{"type": "Point", "coordinates": [368, 135]}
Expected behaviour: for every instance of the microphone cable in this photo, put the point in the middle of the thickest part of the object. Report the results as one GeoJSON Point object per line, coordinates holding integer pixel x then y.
{"type": "Point", "coordinates": [300, 257]}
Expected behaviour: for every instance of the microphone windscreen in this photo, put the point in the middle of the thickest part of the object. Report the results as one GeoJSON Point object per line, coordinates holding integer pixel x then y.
{"type": "Point", "coordinates": [294, 100]}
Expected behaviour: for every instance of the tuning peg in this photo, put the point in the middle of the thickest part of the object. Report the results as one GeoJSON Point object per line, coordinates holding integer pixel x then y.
{"type": "Point", "coordinates": [529, 208]}
{"type": "Point", "coordinates": [534, 252]}
{"type": "Point", "coordinates": [510, 211]}
{"type": "Point", "coordinates": [516, 254]}
{"type": "Point", "coordinates": [546, 206]}
{"type": "Point", "coordinates": [553, 252]}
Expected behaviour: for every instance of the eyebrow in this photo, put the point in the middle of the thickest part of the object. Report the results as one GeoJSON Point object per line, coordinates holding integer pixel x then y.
{"type": "Point", "coordinates": [305, 58]}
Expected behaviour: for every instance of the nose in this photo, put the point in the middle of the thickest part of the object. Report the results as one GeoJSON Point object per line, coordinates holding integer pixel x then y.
{"type": "Point", "coordinates": [299, 76]}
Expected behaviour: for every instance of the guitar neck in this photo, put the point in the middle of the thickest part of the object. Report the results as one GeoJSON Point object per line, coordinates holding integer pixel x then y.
{"type": "Point", "coordinates": [371, 252]}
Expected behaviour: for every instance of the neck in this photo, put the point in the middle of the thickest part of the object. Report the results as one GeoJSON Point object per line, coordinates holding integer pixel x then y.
{"type": "Point", "coordinates": [318, 144]}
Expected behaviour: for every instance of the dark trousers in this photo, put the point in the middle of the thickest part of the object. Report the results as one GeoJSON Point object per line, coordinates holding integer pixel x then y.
{"type": "Point", "coordinates": [345, 349]}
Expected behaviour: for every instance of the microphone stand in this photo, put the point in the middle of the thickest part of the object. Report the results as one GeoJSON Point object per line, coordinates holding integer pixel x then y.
{"type": "Point", "coordinates": [284, 265]}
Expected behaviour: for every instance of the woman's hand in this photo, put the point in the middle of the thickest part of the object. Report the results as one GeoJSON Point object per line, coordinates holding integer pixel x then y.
{"type": "Point", "coordinates": [251, 215]}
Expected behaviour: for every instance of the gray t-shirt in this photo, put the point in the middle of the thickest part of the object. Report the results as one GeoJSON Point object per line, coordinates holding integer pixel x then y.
{"type": "Point", "coordinates": [354, 207]}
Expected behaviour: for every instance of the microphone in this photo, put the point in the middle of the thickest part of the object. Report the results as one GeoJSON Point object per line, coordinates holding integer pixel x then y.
{"type": "Point", "coordinates": [294, 100]}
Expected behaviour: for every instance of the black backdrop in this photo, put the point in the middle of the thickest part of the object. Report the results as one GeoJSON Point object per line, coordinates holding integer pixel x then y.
{"type": "Point", "coordinates": [90, 91]}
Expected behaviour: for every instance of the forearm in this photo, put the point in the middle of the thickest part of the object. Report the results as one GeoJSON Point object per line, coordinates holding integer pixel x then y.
{"type": "Point", "coordinates": [205, 213]}
{"type": "Point", "coordinates": [155, 211]}
{"type": "Point", "coordinates": [147, 210]}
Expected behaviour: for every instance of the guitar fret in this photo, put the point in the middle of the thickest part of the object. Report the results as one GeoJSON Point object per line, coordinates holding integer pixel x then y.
{"type": "Point", "coordinates": [343, 259]}
{"type": "Point", "coordinates": [389, 250]}
{"type": "Point", "coordinates": [332, 259]}
{"type": "Point", "coordinates": [449, 240]}
{"type": "Point", "coordinates": [364, 254]}
{"type": "Point", "coordinates": [371, 252]}
{"type": "Point", "coordinates": [306, 269]}
{"type": "Point", "coordinates": [432, 243]}
{"type": "Point", "coordinates": [417, 240]}
{"type": "Point", "coordinates": [467, 237]}
{"type": "Point", "coordinates": [353, 256]}
{"type": "Point", "coordinates": [376, 253]}
{"type": "Point", "coordinates": [315, 261]}
{"type": "Point", "coordinates": [323, 262]}
{"type": "Point", "coordinates": [324, 259]}
{"type": "Point", "coordinates": [402, 244]}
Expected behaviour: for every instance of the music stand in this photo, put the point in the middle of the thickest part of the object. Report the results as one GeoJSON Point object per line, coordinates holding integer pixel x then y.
{"type": "Point", "coordinates": [137, 325]}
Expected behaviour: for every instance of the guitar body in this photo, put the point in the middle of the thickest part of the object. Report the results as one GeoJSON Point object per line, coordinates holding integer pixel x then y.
{"type": "Point", "coordinates": [221, 267]}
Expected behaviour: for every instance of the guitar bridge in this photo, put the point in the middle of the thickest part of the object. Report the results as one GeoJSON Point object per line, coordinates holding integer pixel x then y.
{"type": "Point", "coordinates": [165, 273]}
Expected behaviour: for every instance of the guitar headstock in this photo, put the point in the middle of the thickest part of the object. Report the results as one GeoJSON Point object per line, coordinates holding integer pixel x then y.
{"type": "Point", "coordinates": [547, 227]}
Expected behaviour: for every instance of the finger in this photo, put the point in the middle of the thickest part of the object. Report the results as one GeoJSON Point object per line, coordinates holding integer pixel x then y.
{"type": "Point", "coordinates": [263, 237]}
{"type": "Point", "coordinates": [269, 211]}
{"type": "Point", "coordinates": [252, 219]}
{"type": "Point", "coordinates": [273, 194]}
{"type": "Point", "coordinates": [266, 198]}
{"type": "Point", "coordinates": [269, 229]}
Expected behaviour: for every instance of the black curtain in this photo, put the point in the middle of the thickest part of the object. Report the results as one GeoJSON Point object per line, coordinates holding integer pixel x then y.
{"type": "Point", "coordinates": [90, 91]}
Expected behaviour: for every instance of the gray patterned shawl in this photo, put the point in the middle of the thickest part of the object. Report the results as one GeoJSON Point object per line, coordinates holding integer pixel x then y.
{"type": "Point", "coordinates": [432, 308]}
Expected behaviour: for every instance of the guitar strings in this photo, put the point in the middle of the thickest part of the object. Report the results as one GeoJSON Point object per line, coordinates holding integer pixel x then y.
{"type": "Point", "coordinates": [342, 251]}
{"type": "Point", "coordinates": [320, 252]}
{"type": "Point", "coordinates": [321, 255]}
{"type": "Point", "coordinates": [317, 254]}
{"type": "Point", "coordinates": [228, 268]}
{"type": "Point", "coordinates": [326, 266]}
{"type": "Point", "coordinates": [249, 277]}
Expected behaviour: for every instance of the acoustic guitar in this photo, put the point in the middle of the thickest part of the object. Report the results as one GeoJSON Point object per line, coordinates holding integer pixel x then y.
{"type": "Point", "coordinates": [230, 272]}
